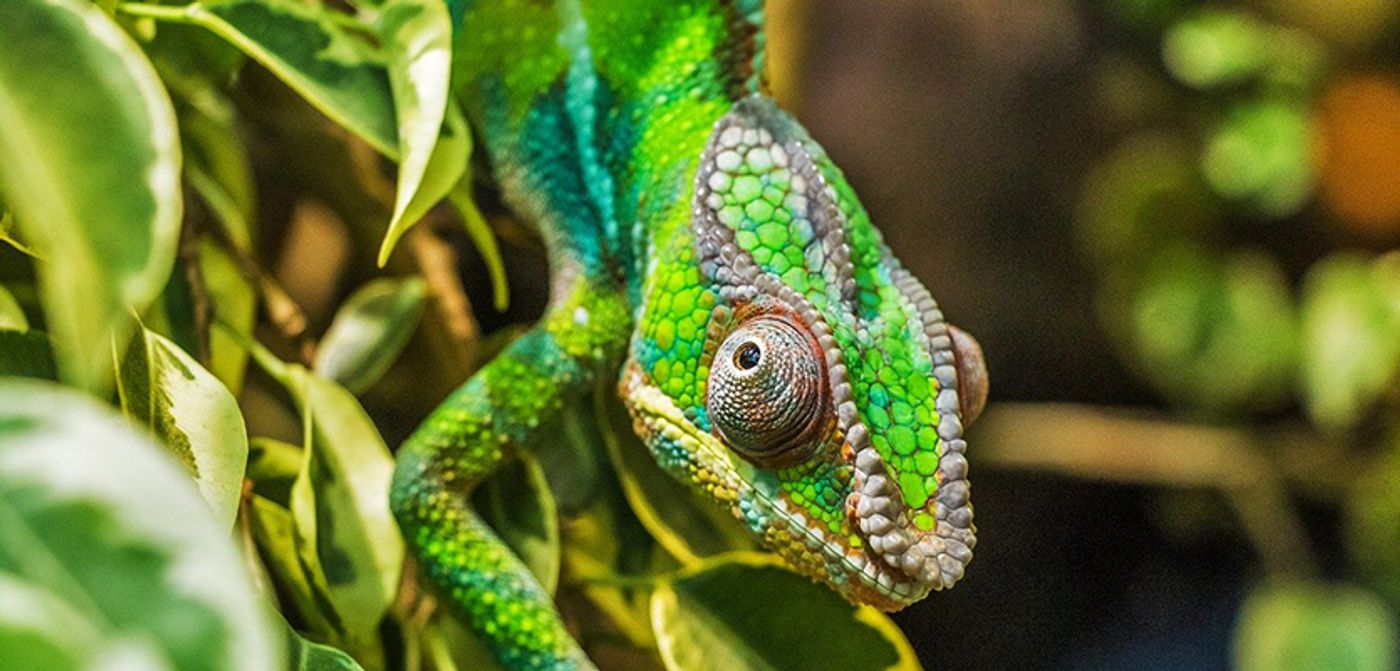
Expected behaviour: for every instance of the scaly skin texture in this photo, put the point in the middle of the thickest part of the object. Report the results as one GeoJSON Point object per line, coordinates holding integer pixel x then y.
{"type": "Point", "coordinates": [705, 252]}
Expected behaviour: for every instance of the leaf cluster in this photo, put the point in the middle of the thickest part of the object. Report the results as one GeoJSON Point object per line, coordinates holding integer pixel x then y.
{"type": "Point", "coordinates": [1243, 274]}
{"type": "Point", "coordinates": [193, 466]}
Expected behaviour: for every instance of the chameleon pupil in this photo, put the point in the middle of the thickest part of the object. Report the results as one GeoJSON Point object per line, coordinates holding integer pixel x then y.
{"type": "Point", "coordinates": [748, 356]}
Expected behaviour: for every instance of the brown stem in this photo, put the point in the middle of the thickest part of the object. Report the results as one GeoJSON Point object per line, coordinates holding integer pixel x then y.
{"type": "Point", "coordinates": [437, 260]}
{"type": "Point", "coordinates": [1138, 448]}
{"type": "Point", "coordinates": [368, 167]}
{"type": "Point", "coordinates": [287, 317]}
{"type": "Point", "coordinates": [283, 312]}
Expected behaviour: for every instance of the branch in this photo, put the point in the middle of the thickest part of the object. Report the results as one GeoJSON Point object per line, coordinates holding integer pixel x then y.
{"type": "Point", "coordinates": [287, 317]}
{"type": "Point", "coordinates": [1142, 449]}
{"type": "Point", "coordinates": [437, 260]}
{"type": "Point", "coordinates": [283, 312]}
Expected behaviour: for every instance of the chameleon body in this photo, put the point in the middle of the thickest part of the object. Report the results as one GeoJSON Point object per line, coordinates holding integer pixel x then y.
{"type": "Point", "coordinates": [706, 253]}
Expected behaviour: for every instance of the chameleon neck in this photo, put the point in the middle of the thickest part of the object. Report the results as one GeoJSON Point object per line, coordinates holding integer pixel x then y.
{"type": "Point", "coordinates": [595, 113]}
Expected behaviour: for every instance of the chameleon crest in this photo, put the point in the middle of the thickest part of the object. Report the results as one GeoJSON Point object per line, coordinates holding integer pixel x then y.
{"type": "Point", "coordinates": [802, 376]}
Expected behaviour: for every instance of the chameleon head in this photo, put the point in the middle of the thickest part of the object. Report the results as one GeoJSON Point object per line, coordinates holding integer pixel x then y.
{"type": "Point", "coordinates": [786, 364]}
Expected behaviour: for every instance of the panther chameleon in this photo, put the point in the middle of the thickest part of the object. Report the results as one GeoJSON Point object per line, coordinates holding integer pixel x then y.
{"type": "Point", "coordinates": [705, 252]}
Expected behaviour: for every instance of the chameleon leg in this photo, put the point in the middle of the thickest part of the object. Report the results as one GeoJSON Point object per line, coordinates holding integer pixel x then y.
{"type": "Point", "coordinates": [502, 407]}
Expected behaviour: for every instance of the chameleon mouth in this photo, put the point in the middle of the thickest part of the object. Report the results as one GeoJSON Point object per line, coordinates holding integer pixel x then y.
{"type": "Point", "coordinates": [850, 570]}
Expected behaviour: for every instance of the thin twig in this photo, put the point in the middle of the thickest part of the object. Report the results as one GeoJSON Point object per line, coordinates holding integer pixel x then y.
{"type": "Point", "coordinates": [368, 167]}
{"type": "Point", "coordinates": [287, 317]}
{"type": "Point", "coordinates": [1137, 448]}
{"type": "Point", "coordinates": [283, 312]}
{"type": "Point", "coordinates": [437, 260]}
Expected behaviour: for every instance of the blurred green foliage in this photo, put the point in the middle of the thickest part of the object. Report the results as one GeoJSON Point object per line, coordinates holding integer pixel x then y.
{"type": "Point", "coordinates": [1298, 627]}
{"type": "Point", "coordinates": [167, 377]}
{"type": "Point", "coordinates": [110, 557]}
{"type": "Point", "coordinates": [1238, 283]}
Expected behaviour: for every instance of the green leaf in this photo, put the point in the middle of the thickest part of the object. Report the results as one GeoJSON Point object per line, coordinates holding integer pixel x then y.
{"type": "Point", "coordinates": [1226, 314]}
{"type": "Point", "coordinates": [340, 502]}
{"type": "Point", "coordinates": [26, 354]}
{"type": "Point", "coordinates": [11, 314]}
{"type": "Point", "coordinates": [235, 306]}
{"type": "Point", "coordinates": [226, 210]}
{"type": "Point", "coordinates": [312, 49]}
{"type": "Point", "coordinates": [101, 518]}
{"type": "Point", "coordinates": [447, 168]}
{"type": "Point", "coordinates": [1308, 627]}
{"type": "Point", "coordinates": [484, 239]}
{"type": "Point", "coordinates": [196, 65]}
{"type": "Point", "coordinates": [517, 503]}
{"type": "Point", "coordinates": [450, 646]}
{"type": "Point", "coordinates": [7, 235]}
{"type": "Point", "coordinates": [745, 612]}
{"type": "Point", "coordinates": [604, 543]}
{"type": "Point", "coordinates": [165, 389]}
{"type": "Point", "coordinates": [1262, 154]}
{"type": "Point", "coordinates": [1350, 336]}
{"type": "Point", "coordinates": [90, 163]}
{"type": "Point", "coordinates": [173, 314]}
{"type": "Point", "coordinates": [271, 528]}
{"type": "Point", "coordinates": [304, 655]}
{"type": "Point", "coordinates": [1215, 48]}
{"type": "Point", "coordinates": [39, 631]}
{"type": "Point", "coordinates": [575, 461]}
{"type": "Point", "coordinates": [217, 166]}
{"type": "Point", "coordinates": [689, 527]}
{"type": "Point", "coordinates": [417, 39]}
{"type": "Point", "coordinates": [1373, 520]}
{"type": "Point", "coordinates": [369, 331]}
{"type": "Point", "coordinates": [345, 532]}
{"type": "Point", "coordinates": [1143, 195]}
{"type": "Point", "coordinates": [273, 466]}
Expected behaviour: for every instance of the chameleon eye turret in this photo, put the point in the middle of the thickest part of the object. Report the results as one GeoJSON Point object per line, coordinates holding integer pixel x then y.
{"type": "Point", "coordinates": [767, 393]}
{"type": "Point", "coordinates": [972, 374]}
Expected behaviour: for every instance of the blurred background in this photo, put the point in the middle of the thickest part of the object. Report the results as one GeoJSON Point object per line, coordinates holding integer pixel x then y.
{"type": "Point", "coordinates": [1167, 222]}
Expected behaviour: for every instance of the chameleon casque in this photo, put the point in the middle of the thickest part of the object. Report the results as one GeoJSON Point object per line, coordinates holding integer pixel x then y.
{"type": "Point", "coordinates": [706, 253]}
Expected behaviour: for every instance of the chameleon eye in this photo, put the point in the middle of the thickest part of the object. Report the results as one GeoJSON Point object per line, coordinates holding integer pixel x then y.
{"type": "Point", "coordinates": [767, 392]}
{"type": "Point", "coordinates": [748, 355]}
